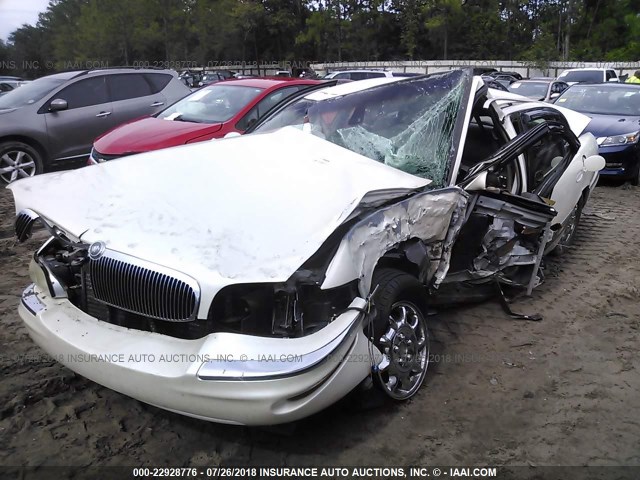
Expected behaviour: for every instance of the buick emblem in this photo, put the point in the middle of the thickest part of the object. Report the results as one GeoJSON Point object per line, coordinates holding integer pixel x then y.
{"type": "Point", "coordinates": [96, 250]}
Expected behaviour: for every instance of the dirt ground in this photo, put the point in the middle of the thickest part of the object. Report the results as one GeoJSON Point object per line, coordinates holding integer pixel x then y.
{"type": "Point", "coordinates": [565, 390]}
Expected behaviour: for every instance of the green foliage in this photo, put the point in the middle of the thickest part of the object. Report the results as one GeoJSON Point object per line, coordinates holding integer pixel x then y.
{"type": "Point", "coordinates": [73, 33]}
{"type": "Point", "coordinates": [443, 16]}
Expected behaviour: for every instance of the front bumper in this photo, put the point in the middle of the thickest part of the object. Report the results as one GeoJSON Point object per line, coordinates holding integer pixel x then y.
{"type": "Point", "coordinates": [622, 162]}
{"type": "Point", "coordinates": [95, 157]}
{"type": "Point", "coordinates": [223, 377]}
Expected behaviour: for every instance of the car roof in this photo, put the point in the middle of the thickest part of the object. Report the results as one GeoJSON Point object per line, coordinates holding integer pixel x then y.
{"type": "Point", "coordinates": [606, 84]}
{"type": "Point", "coordinates": [119, 70]}
{"type": "Point", "coordinates": [76, 73]}
{"type": "Point", "coordinates": [361, 70]}
{"type": "Point", "coordinates": [352, 87]}
{"type": "Point", "coordinates": [587, 69]}
{"type": "Point", "coordinates": [66, 75]}
{"type": "Point", "coordinates": [536, 80]}
{"type": "Point", "coordinates": [267, 82]}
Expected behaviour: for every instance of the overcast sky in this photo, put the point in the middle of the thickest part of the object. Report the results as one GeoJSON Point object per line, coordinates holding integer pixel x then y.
{"type": "Point", "coordinates": [13, 13]}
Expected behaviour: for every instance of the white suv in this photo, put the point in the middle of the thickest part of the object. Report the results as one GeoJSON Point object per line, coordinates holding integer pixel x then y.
{"type": "Point", "coordinates": [588, 75]}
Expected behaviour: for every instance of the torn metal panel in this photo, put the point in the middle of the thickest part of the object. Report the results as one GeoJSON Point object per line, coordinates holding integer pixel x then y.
{"type": "Point", "coordinates": [512, 239]}
{"type": "Point", "coordinates": [433, 217]}
{"type": "Point", "coordinates": [501, 249]}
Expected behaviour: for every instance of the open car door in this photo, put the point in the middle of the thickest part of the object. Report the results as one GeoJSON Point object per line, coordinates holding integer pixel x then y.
{"type": "Point", "coordinates": [574, 180]}
{"type": "Point", "coordinates": [505, 233]}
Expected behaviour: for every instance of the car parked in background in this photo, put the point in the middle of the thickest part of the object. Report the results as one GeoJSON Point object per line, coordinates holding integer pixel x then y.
{"type": "Point", "coordinates": [614, 109]}
{"type": "Point", "coordinates": [364, 74]}
{"type": "Point", "coordinates": [496, 73]}
{"type": "Point", "coordinates": [52, 122]}
{"type": "Point", "coordinates": [210, 78]}
{"type": "Point", "coordinates": [210, 112]}
{"type": "Point", "coordinates": [491, 83]}
{"type": "Point", "coordinates": [282, 270]}
{"type": "Point", "coordinates": [7, 85]}
{"type": "Point", "coordinates": [588, 75]}
{"type": "Point", "coordinates": [502, 79]}
{"type": "Point", "coordinates": [542, 89]}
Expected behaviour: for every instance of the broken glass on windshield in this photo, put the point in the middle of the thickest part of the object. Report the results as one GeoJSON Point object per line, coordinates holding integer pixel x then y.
{"type": "Point", "coordinates": [408, 125]}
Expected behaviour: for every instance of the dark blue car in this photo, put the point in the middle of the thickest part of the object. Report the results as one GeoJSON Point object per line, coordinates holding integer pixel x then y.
{"type": "Point", "coordinates": [614, 109]}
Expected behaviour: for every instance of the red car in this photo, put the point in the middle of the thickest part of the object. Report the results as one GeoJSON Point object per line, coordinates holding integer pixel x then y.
{"type": "Point", "coordinates": [210, 112]}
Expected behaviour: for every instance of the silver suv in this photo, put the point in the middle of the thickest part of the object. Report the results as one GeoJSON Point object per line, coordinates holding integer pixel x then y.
{"type": "Point", "coordinates": [51, 123]}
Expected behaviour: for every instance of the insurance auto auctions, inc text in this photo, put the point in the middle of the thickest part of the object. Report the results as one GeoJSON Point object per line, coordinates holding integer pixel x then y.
{"type": "Point", "coordinates": [376, 472]}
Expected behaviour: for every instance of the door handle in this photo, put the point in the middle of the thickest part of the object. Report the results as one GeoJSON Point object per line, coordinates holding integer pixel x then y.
{"type": "Point", "coordinates": [103, 114]}
{"type": "Point", "coordinates": [156, 104]}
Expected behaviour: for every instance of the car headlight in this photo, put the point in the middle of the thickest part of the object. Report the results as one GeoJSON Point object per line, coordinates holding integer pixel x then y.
{"type": "Point", "coordinates": [619, 139]}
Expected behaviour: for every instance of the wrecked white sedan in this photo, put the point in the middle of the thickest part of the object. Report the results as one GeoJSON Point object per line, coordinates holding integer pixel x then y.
{"type": "Point", "coordinates": [258, 279]}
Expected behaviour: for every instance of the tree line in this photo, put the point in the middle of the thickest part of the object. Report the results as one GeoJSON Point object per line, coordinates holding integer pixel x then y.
{"type": "Point", "coordinates": [182, 33]}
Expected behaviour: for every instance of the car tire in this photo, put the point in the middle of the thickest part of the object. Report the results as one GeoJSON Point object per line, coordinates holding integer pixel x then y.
{"type": "Point", "coordinates": [568, 232]}
{"type": "Point", "coordinates": [18, 160]}
{"type": "Point", "coordinates": [400, 332]}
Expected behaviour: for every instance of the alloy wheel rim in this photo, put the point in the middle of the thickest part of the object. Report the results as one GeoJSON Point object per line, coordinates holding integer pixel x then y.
{"type": "Point", "coordinates": [16, 164]}
{"type": "Point", "coordinates": [405, 351]}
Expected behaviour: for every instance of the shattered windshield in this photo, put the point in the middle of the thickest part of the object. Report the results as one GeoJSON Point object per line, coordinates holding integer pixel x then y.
{"type": "Point", "coordinates": [408, 125]}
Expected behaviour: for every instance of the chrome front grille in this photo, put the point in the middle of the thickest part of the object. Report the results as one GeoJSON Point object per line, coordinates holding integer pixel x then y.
{"type": "Point", "coordinates": [144, 288]}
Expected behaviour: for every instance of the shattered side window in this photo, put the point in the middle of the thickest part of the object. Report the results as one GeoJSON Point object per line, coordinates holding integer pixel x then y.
{"type": "Point", "coordinates": [408, 125]}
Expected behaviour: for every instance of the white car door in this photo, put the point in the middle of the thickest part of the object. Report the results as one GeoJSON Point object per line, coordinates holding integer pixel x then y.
{"type": "Point", "coordinates": [576, 179]}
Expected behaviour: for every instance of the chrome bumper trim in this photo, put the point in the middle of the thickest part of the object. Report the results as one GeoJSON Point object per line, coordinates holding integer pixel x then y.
{"type": "Point", "coordinates": [270, 367]}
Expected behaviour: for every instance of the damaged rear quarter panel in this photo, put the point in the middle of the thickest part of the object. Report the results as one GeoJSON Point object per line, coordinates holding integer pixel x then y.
{"type": "Point", "coordinates": [433, 217]}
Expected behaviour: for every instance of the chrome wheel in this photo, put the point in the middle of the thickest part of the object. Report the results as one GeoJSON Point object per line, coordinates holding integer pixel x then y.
{"type": "Point", "coordinates": [16, 164]}
{"type": "Point", "coordinates": [405, 351]}
{"type": "Point", "coordinates": [570, 226]}
{"type": "Point", "coordinates": [569, 229]}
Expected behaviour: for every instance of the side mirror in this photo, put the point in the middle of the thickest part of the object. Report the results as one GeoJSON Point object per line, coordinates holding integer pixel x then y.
{"type": "Point", "coordinates": [232, 134]}
{"type": "Point", "coordinates": [478, 183]}
{"type": "Point", "coordinates": [554, 96]}
{"type": "Point", "coordinates": [57, 105]}
{"type": "Point", "coordinates": [594, 163]}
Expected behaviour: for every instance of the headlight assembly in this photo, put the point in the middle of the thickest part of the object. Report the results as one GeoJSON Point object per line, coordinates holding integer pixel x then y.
{"type": "Point", "coordinates": [619, 139]}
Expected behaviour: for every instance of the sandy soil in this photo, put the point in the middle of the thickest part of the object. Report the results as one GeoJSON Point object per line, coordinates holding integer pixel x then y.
{"type": "Point", "coordinates": [562, 391]}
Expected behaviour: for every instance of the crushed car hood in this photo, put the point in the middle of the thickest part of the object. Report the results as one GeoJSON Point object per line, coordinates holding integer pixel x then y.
{"type": "Point", "coordinates": [245, 209]}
